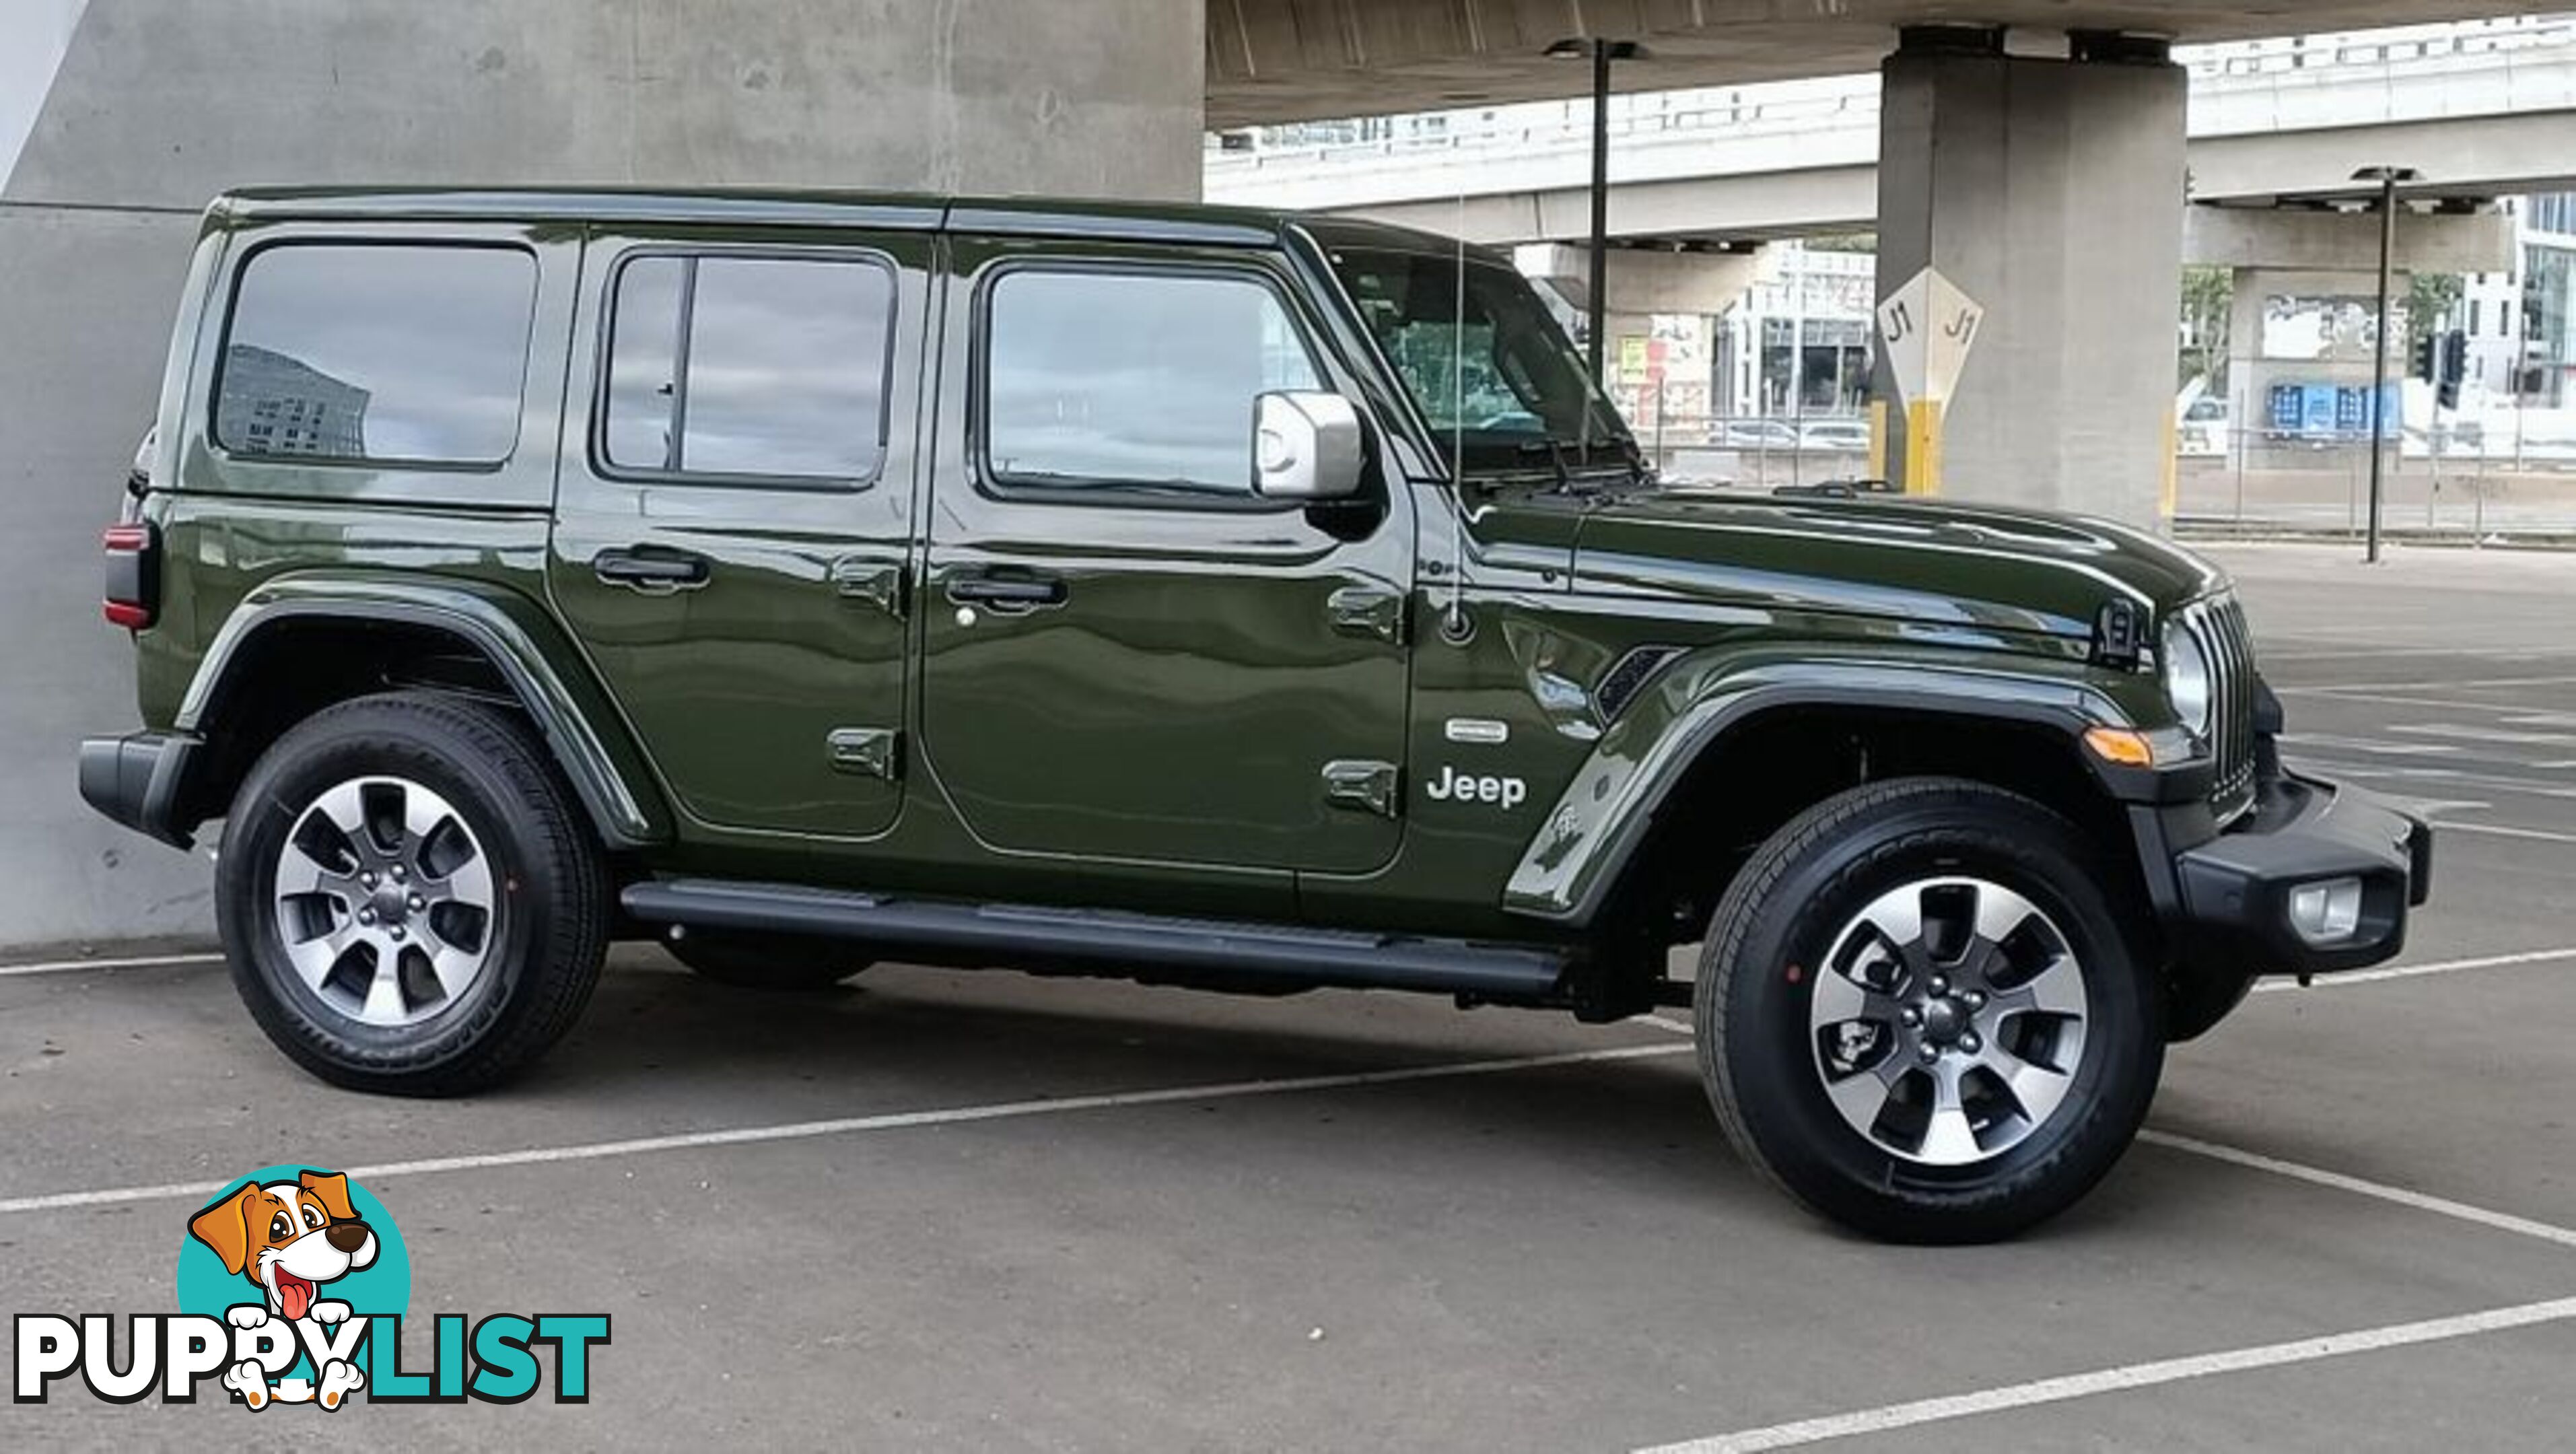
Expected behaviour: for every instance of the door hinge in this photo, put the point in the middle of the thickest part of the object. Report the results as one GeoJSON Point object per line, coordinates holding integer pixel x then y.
{"type": "Point", "coordinates": [866, 751]}
{"type": "Point", "coordinates": [1362, 787]}
{"type": "Point", "coordinates": [877, 582]}
{"type": "Point", "coordinates": [1368, 611]}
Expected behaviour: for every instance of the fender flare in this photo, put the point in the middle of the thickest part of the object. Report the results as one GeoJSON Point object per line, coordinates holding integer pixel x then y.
{"type": "Point", "coordinates": [1598, 823]}
{"type": "Point", "coordinates": [502, 626]}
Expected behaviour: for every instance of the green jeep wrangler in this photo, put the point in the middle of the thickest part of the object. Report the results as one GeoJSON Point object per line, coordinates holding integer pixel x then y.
{"type": "Point", "coordinates": [1246, 601]}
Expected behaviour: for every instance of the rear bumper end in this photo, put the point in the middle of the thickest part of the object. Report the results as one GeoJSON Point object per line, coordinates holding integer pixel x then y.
{"type": "Point", "coordinates": [135, 780]}
{"type": "Point", "coordinates": [2318, 878]}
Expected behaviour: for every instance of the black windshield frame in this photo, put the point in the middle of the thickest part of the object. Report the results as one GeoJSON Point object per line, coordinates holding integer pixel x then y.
{"type": "Point", "coordinates": [1532, 405]}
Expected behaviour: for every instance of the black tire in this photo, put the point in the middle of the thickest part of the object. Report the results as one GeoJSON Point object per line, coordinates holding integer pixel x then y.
{"type": "Point", "coordinates": [1761, 1056]}
{"type": "Point", "coordinates": [767, 962]}
{"type": "Point", "coordinates": [543, 940]}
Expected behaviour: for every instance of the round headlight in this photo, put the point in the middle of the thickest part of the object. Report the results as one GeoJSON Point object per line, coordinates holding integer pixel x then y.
{"type": "Point", "coordinates": [2187, 684]}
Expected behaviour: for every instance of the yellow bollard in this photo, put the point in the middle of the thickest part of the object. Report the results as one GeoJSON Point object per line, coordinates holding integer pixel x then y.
{"type": "Point", "coordinates": [2171, 501]}
{"type": "Point", "coordinates": [1923, 448]}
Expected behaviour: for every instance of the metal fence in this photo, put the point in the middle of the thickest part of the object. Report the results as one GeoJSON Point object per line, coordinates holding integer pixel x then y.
{"type": "Point", "coordinates": [2252, 482]}
{"type": "Point", "coordinates": [1762, 452]}
{"type": "Point", "coordinates": [2481, 487]}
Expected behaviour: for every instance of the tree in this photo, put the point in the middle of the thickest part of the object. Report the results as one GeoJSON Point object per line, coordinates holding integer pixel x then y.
{"type": "Point", "coordinates": [2208, 304]}
{"type": "Point", "coordinates": [2430, 299]}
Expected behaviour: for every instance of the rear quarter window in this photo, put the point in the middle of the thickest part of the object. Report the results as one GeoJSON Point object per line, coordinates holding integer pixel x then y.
{"type": "Point", "coordinates": [410, 354]}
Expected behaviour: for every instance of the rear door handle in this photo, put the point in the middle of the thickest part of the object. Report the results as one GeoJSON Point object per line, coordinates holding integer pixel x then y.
{"type": "Point", "coordinates": [654, 572]}
{"type": "Point", "coordinates": [1007, 593]}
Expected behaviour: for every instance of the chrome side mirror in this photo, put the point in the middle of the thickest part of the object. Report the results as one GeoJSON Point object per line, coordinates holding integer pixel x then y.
{"type": "Point", "coordinates": [1305, 446]}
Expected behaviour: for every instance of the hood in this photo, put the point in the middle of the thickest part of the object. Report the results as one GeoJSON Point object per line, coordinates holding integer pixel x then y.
{"type": "Point", "coordinates": [1914, 560]}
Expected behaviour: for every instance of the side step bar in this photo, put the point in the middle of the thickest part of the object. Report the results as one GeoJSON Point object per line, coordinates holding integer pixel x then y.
{"type": "Point", "coordinates": [1271, 956]}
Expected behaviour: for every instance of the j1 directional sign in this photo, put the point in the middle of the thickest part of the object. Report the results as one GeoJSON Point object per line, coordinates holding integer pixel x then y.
{"type": "Point", "coordinates": [1928, 326]}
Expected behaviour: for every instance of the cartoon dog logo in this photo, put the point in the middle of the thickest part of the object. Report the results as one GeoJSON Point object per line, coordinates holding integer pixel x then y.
{"type": "Point", "coordinates": [288, 1239]}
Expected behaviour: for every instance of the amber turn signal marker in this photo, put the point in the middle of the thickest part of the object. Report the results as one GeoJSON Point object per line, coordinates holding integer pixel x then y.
{"type": "Point", "coordinates": [2121, 746]}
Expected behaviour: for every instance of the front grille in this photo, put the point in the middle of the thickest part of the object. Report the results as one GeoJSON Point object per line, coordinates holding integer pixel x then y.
{"type": "Point", "coordinates": [2218, 624]}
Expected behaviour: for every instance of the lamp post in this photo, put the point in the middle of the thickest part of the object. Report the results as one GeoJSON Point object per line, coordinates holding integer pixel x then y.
{"type": "Point", "coordinates": [2387, 178]}
{"type": "Point", "coordinates": [1601, 53]}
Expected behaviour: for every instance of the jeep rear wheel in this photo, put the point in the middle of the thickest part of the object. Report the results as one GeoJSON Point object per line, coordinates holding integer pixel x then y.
{"type": "Point", "coordinates": [410, 901]}
{"type": "Point", "coordinates": [756, 961]}
{"type": "Point", "coordinates": [1917, 1012]}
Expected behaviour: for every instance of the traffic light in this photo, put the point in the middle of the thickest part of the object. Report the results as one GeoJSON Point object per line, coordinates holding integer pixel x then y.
{"type": "Point", "coordinates": [2455, 367]}
{"type": "Point", "coordinates": [2426, 348]}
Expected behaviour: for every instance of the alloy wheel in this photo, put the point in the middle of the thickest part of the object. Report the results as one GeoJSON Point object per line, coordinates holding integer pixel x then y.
{"type": "Point", "coordinates": [385, 901]}
{"type": "Point", "coordinates": [1948, 1020]}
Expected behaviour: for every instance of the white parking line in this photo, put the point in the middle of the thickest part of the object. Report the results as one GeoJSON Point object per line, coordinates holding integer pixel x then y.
{"type": "Point", "coordinates": [2447, 776]}
{"type": "Point", "coordinates": [2502, 830]}
{"type": "Point", "coordinates": [2337, 689]}
{"type": "Point", "coordinates": [847, 1125]}
{"type": "Point", "coordinates": [2358, 651]}
{"type": "Point", "coordinates": [2302, 742]}
{"type": "Point", "coordinates": [2381, 1191]}
{"type": "Point", "coordinates": [149, 961]}
{"type": "Point", "coordinates": [2388, 698]}
{"type": "Point", "coordinates": [2127, 1376]}
{"type": "Point", "coordinates": [2486, 736]}
{"type": "Point", "coordinates": [2417, 971]}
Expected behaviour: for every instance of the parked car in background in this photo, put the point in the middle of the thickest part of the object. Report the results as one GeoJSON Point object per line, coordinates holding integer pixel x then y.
{"type": "Point", "coordinates": [2202, 432]}
{"type": "Point", "coordinates": [1841, 436]}
{"type": "Point", "coordinates": [1755, 434]}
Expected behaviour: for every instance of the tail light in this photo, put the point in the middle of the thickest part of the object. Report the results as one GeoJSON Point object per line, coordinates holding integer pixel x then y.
{"type": "Point", "coordinates": [133, 594]}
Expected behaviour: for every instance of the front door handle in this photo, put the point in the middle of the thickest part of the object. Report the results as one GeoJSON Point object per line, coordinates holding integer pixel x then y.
{"type": "Point", "coordinates": [654, 572]}
{"type": "Point", "coordinates": [1007, 594]}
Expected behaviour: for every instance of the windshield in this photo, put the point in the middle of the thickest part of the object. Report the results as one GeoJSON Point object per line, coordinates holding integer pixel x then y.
{"type": "Point", "coordinates": [1482, 358]}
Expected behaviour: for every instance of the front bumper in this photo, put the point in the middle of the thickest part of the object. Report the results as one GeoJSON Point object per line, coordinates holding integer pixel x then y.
{"type": "Point", "coordinates": [136, 779]}
{"type": "Point", "coordinates": [2231, 893]}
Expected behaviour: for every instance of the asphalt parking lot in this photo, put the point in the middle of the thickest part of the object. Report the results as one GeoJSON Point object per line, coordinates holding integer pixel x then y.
{"type": "Point", "coordinates": [989, 1212]}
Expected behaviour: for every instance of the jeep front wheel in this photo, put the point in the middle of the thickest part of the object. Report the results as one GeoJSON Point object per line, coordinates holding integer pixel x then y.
{"type": "Point", "coordinates": [1918, 1013]}
{"type": "Point", "coordinates": [409, 898]}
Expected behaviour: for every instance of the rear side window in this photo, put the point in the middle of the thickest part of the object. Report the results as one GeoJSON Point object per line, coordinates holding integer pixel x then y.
{"type": "Point", "coordinates": [749, 368]}
{"type": "Point", "coordinates": [392, 354]}
{"type": "Point", "coordinates": [1132, 382]}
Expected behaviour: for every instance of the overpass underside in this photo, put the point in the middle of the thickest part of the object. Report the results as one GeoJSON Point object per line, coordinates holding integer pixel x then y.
{"type": "Point", "coordinates": [1815, 193]}
{"type": "Point", "coordinates": [1274, 61]}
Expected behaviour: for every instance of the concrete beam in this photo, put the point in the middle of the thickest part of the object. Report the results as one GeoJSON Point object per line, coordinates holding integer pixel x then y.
{"type": "Point", "coordinates": [2316, 241]}
{"type": "Point", "coordinates": [2480, 156]}
{"type": "Point", "coordinates": [2461, 157]}
{"type": "Point", "coordinates": [1294, 60]}
{"type": "Point", "coordinates": [1642, 282]}
{"type": "Point", "coordinates": [1752, 206]}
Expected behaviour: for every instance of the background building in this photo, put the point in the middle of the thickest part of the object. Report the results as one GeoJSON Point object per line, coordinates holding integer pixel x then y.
{"type": "Point", "coordinates": [290, 407]}
{"type": "Point", "coordinates": [2520, 344]}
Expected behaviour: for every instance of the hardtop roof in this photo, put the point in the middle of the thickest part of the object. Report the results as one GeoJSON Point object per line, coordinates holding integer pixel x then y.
{"type": "Point", "coordinates": [809, 207]}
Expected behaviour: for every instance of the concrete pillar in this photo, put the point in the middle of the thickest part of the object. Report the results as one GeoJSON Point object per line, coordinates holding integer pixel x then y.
{"type": "Point", "coordinates": [2050, 190]}
{"type": "Point", "coordinates": [2333, 351]}
{"type": "Point", "coordinates": [2328, 263]}
{"type": "Point", "coordinates": [159, 104]}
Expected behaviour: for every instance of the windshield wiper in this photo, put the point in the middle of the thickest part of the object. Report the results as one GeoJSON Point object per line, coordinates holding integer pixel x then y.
{"type": "Point", "coordinates": [1553, 447]}
{"type": "Point", "coordinates": [1634, 456]}
{"type": "Point", "coordinates": [1630, 459]}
